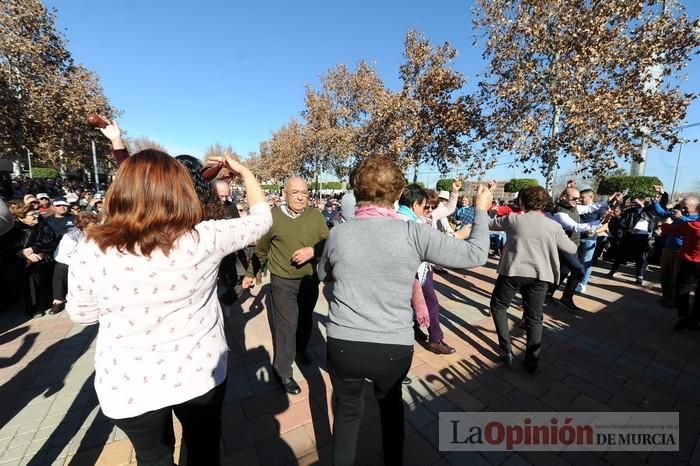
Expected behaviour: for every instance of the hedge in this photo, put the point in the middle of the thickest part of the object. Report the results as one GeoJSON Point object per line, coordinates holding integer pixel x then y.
{"type": "Point", "coordinates": [41, 172]}
{"type": "Point", "coordinates": [517, 184]}
{"type": "Point", "coordinates": [637, 185]}
{"type": "Point", "coordinates": [444, 184]}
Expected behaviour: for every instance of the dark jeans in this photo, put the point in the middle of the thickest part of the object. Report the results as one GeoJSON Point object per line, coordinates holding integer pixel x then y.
{"type": "Point", "coordinates": [434, 331]}
{"type": "Point", "coordinates": [634, 247]}
{"type": "Point", "coordinates": [293, 303]}
{"type": "Point", "coordinates": [533, 292]}
{"type": "Point", "coordinates": [571, 270]}
{"type": "Point", "coordinates": [60, 281]}
{"type": "Point", "coordinates": [153, 437]}
{"type": "Point", "coordinates": [349, 364]}
{"type": "Point", "coordinates": [687, 280]}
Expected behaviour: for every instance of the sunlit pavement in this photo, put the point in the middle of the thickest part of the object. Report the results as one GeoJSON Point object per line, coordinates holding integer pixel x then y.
{"type": "Point", "coordinates": [619, 355]}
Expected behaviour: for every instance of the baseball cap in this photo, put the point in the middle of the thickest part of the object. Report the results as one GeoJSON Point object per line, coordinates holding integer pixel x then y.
{"type": "Point", "coordinates": [43, 196]}
{"type": "Point", "coordinates": [59, 201]}
{"type": "Point", "coordinates": [444, 195]}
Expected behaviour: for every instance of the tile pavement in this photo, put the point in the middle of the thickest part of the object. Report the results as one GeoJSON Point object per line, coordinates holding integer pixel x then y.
{"type": "Point", "coordinates": [619, 354]}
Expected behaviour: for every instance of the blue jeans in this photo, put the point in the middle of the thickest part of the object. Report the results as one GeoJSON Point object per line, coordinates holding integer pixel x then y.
{"type": "Point", "coordinates": [586, 250]}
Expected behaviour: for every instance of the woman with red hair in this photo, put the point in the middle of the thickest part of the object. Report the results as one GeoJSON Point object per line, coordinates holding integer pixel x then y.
{"type": "Point", "coordinates": [147, 275]}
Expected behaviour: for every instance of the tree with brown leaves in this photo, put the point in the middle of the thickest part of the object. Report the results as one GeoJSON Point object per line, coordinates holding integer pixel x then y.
{"type": "Point", "coordinates": [219, 150]}
{"type": "Point", "coordinates": [140, 143]}
{"type": "Point", "coordinates": [440, 121]}
{"type": "Point", "coordinates": [571, 79]}
{"type": "Point", "coordinates": [44, 96]}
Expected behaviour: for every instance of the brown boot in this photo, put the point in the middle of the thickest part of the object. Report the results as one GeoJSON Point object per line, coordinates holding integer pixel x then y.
{"type": "Point", "coordinates": [440, 347]}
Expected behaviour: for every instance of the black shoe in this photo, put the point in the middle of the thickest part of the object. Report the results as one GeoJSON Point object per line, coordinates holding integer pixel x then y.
{"type": "Point", "coordinates": [57, 307]}
{"type": "Point", "coordinates": [290, 386]}
{"type": "Point", "coordinates": [611, 274]}
{"type": "Point", "coordinates": [303, 358]}
{"type": "Point", "coordinates": [549, 299]}
{"type": "Point", "coordinates": [639, 281]}
{"type": "Point", "coordinates": [406, 381]}
{"type": "Point", "coordinates": [34, 313]}
{"type": "Point", "coordinates": [530, 366]}
{"type": "Point", "coordinates": [569, 304]}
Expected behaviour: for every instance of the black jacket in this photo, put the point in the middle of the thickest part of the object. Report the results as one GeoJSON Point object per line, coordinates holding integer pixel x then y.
{"type": "Point", "coordinates": [40, 237]}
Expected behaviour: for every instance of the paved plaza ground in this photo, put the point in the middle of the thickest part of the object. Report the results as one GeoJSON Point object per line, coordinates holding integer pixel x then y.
{"type": "Point", "coordinates": [620, 354]}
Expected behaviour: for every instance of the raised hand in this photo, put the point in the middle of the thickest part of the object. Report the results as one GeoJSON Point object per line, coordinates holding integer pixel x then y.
{"type": "Point", "coordinates": [484, 196]}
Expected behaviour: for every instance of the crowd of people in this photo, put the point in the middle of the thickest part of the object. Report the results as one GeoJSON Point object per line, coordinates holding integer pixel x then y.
{"type": "Point", "coordinates": [172, 242]}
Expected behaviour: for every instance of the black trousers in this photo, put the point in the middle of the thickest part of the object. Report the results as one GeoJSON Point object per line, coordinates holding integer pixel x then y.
{"type": "Point", "coordinates": [60, 281]}
{"type": "Point", "coordinates": [349, 364]}
{"type": "Point", "coordinates": [533, 292]}
{"type": "Point", "coordinates": [36, 287]}
{"type": "Point", "coordinates": [153, 437]}
{"type": "Point", "coordinates": [687, 280]}
{"type": "Point", "coordinates": [634, 247]}
{"type": "Point", "coordinates": [570, 269]}
{"type": "Point", "coordinates": [293, 303]}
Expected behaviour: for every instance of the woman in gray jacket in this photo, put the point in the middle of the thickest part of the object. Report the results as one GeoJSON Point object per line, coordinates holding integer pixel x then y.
{"type": "Point", "coordinates": [529, 264]}
{"type": "Point", "coordinates": [370, 263]}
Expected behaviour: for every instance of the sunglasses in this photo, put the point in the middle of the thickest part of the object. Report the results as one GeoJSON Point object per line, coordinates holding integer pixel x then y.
{"type": "Point", "coordinates": [429, 207]}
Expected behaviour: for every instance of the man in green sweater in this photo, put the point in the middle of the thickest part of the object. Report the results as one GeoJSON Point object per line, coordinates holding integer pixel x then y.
{"type": "Point", "coordinates": [290, 249]}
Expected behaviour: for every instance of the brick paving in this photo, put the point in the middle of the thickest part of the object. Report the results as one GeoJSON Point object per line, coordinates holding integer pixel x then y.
{"type": "Point", "coordinates": [619, 354]}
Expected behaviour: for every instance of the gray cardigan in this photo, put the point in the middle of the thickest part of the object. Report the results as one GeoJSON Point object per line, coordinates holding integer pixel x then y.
{"type": "Point", "coordinates": [370, 264]}
{"type": "Point", "coordinates": [533, 245]}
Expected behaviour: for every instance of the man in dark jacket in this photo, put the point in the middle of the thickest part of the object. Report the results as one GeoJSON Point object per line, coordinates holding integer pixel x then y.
{"type": "Point", "coordinates": [638, 223]}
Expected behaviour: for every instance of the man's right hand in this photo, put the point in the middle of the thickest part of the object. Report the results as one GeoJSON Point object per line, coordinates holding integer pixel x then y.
{"type": "Point", "coordinates": [248, 282]}
{"type": "Point", "coordinates": [658, 189]}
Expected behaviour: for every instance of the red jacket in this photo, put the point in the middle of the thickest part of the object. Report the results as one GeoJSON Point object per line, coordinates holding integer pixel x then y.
{"type": "Point", "coordinates": [690, 251]}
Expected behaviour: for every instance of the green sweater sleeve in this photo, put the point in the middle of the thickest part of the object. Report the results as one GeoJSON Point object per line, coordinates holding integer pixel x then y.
{"type": "Point", "coordinates": [262, 248]}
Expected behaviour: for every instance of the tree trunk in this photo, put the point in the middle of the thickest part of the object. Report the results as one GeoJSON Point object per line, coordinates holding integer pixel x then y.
{"type": "Point", "coordinates": [552, 156]}
{"type": "Point", "coordinates": [415, 172]}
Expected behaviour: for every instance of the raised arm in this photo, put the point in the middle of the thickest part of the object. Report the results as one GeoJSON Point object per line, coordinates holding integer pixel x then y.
{"type": "Point", "coordinates": [569, 224]}
{"type": "Point", "coordinates": [114, 134]}
{"type": "Point", "coordinates": [444, 250]}
{"type": "Point", "coordinates": [443, 211]}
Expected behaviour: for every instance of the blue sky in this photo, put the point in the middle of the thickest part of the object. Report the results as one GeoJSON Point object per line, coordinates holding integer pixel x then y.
{"type": "Point", "coordinates": [189, 74]}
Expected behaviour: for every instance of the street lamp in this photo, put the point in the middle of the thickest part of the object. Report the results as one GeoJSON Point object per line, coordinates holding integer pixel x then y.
{"type": "Point", "coordinates": [678, 163]}
{"type": "Point", "coordinates": [94, 163]}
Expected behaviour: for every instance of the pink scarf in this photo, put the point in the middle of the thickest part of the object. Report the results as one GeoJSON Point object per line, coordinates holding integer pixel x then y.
{"type": "Point", "coordinates": [376, 211]}
{"type": "Point", "coordinates": [420, 308]}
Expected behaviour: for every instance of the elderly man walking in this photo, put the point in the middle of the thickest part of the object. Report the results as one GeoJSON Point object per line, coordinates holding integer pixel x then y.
{"type": "Point", "coordinates": [290, 248]}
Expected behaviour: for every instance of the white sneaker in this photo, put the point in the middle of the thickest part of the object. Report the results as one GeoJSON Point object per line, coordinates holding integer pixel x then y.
{"type": "Point", "coordinates": [580, 288]}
